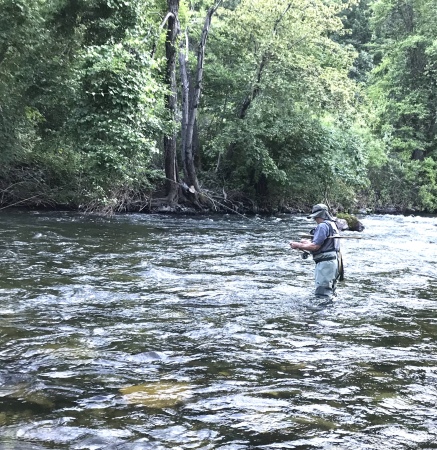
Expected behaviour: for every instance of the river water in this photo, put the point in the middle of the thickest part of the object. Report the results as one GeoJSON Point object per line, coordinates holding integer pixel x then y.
{"type": "Point", "coordinates": [155, 332]}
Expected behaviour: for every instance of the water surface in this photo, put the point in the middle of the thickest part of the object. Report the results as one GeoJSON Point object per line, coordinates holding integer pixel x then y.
{"type": "Point", "coordinates": [155, 332]}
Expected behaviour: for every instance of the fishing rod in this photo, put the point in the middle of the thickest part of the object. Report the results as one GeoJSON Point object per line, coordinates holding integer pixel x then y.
{"type": "Point", "coordinates": [305, 253]}
{"type": "Point", "coordinates": [331, 237]}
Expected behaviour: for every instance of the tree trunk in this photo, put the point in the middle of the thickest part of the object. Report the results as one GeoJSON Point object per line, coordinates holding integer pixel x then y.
{"type": "Point", "coordinates": [256, 88]}
{"type": "Point", "coordinates": [183, 61]}
{"type": "Point", "coordinates": [259, 73]}
{"type": "Point", "coordinates": [171, 100]}
{"type": "Point", "coordinates": [418, 155]}
{"type": "Point", "coordinates": [191, 103]}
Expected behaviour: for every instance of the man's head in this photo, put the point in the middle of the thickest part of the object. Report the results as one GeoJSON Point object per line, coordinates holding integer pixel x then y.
{"type": "Point", "coordinates": [320, 211]}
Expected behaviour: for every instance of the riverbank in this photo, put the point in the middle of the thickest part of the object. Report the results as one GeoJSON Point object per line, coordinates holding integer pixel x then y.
{"type": "Point", "coordinates": [218, 208]}
{"type": "Point", "coordinates": [208, 202]}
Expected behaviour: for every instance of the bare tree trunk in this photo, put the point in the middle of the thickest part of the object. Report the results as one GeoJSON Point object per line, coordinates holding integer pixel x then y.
{"type": "Point", "coordinates": [171, 100]}
{"type": "Point", "coordinates": [183, 61]}
{"type": "Point", "coordinates": [191, 102]}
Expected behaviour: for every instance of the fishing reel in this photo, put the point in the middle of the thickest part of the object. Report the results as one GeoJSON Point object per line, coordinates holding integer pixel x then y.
{"type": "Point", "coordinates": [305, 255]}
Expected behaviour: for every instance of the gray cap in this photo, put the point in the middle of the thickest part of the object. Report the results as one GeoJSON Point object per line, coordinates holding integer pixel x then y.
{"type": "Point", "coordinates": [320, 210]}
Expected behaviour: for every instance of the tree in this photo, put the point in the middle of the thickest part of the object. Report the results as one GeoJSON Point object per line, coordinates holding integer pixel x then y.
{"type": "Point", "coordinates": [404, 94]}
{"type": "Point", "coordinates": [358, 33]}
{"type": "Point", "coordinates": [403, 84]}
{"type": "Point", "coordinates": [35, 95]}
{"type": "Point", "coordinates": [191, 93]}
{"type": "Point", "coordinates": [80, 98]}
{"type": "Point", "coordinates": [116, 121]}
{"type": "Point", "coordinates": [274, 71]}
{"type": "Point", "coordinates": [171, 170]}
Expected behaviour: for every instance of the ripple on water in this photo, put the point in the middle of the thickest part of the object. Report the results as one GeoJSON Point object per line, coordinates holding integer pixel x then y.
{"type": "Point", "coordinates": [138, 332]}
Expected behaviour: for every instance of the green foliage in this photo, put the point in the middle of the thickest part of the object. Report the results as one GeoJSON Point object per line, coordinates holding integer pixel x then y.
{"type": "Point", "coordinates": [405, 185]}
{"type": "Point", "coordinates": [80, 97]}
{"type": "Point", "coordinates": [280, 106]}
{"type": "Point", "coordinates": [288, 111]}
{"type": "Point", "coordinates": [116, 122]}
{"type": "Point", "coordinates": [358, 34]}
{"type": "Point", "coordinates": [20, 28]}
{"type": "Point", "coordinates": [285, 154]}
{"type": "Point", "coordinates": [35, 99]}
{"type": "Point", "coordinates": [403, 94]}
{"type": "Point", "coordinates": [118, 116]}
{"type": "Point", "coordinates": [403, 88]}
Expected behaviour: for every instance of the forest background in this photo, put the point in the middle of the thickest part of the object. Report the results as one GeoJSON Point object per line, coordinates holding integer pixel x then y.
{"type": "Point", "coordinates": [249, 105]}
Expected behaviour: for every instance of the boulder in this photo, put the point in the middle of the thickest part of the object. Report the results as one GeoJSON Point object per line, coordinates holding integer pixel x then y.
{"type": "Point", "coordinates": [353, 224]}
{"type": "Point", "coordinates": [342, 224]}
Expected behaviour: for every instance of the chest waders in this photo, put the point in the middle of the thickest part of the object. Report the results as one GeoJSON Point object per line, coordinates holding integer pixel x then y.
{"type": "Point", "coordinates": [329, 268]}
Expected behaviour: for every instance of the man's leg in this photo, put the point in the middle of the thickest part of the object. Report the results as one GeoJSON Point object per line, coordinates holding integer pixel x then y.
{"type": "Point", "coordinates": [325, 276]}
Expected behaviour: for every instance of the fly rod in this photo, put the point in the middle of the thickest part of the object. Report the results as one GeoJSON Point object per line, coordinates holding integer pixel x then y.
{"type": "Point", "coordinates": [309, 236]}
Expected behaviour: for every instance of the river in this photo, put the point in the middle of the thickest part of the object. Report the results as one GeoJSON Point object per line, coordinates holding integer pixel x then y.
{"type": "Point", "coordinates": [156, 332]}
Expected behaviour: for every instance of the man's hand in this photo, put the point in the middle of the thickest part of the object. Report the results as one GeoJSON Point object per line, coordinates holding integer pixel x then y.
{"type": "Point", "coordinates": [299, 245]}
{"type": "Point", "coordinates": [304, 244]}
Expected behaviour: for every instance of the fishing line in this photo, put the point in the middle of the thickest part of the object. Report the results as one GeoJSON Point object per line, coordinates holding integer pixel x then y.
{"type": "Point", "coordinates": [305, 254]}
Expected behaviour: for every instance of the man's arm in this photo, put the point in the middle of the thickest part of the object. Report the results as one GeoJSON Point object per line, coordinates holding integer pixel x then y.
{"type": "Point", "coordinates": [320, 235]}
{"type": "Point", "coordinates": [305, 244]}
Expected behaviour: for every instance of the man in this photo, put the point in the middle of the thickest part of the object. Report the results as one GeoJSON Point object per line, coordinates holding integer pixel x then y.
{"type": "Point", "coordinates": [325, 251]}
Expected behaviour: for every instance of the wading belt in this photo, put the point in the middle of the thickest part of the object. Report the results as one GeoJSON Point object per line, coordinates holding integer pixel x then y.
{"type": "Point", "coordinates": [326, 257]}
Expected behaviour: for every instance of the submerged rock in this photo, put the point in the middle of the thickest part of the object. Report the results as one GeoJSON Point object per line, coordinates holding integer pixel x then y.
{"type": "Point", "coordinates": [157, 394]}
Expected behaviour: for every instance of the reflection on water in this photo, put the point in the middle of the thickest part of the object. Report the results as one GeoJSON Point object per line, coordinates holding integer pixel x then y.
{"type": "Point", "coordinates": [154, 332]}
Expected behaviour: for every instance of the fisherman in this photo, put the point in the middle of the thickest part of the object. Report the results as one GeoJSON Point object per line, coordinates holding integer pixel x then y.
{"type": "Point", "coordinates": [326, 253]}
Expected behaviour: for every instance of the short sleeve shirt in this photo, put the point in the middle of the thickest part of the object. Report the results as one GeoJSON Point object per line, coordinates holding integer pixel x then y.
{"type": "Point", "coordinates": [322, 232]}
